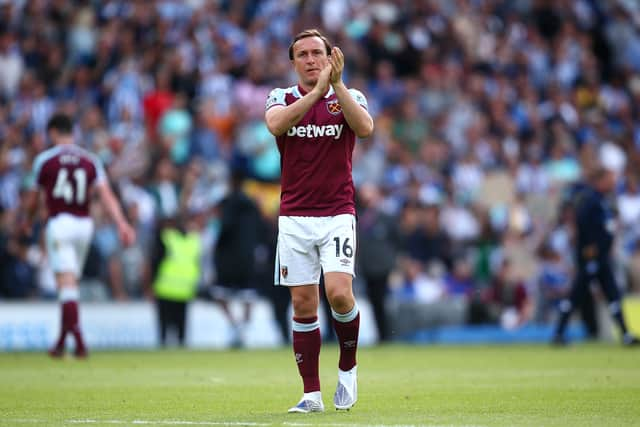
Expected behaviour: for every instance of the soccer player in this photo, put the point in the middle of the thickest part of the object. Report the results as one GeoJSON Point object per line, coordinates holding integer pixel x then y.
{"type": "Point", "coordinates": [315, 124]}
{"type": "Point", "coordinates": [67, 173]}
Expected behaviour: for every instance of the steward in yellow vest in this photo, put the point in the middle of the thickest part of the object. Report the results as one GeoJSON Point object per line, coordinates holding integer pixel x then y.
{"type": "Point", "coordinates": [176, 273]}
{"type": "Point", "coordinates": [179, 271]}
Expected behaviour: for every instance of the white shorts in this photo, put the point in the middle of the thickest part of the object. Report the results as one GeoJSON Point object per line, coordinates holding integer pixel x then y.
{"type": "Point", "coordinates": [68, 238]}
{"type": "Point", "coordinates": [308, 244]}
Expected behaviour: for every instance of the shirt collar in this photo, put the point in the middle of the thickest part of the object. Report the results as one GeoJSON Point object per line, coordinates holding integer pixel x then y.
{"type": "Point", "coordinates": [300, 92]}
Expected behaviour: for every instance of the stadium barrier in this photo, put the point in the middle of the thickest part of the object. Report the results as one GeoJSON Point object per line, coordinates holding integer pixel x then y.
{"type": "Point", "coordinates": [30, 326]}
{"type": "Point", "coordinates": [33, 326]}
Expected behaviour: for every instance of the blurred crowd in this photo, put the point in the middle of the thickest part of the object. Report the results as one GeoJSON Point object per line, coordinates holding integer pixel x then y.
{"type": "Point", "coordinates": [487, 114]}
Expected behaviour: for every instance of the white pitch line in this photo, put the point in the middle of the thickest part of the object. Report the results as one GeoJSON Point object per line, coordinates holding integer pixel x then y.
{"type": "Point", "coordinates": [169, 422]}
{"type": "Point", "coordinates": [220, 423]}
{"type": "Point", "coordinates": [141, 422]}
{"type": "Point", "coordinates": [295, 424]}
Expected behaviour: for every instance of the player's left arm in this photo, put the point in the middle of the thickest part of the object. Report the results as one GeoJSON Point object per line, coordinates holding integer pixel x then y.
{"type": "Point", "coordinates": [126, 232]}
{"type": "Point", "coordinates": [355, 114]}
{"type": "Point", "coordinates": [111, 204]}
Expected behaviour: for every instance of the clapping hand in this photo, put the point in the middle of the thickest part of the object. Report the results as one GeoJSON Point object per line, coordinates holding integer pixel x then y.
{"type": "Point", "coordinates": [337, 65]}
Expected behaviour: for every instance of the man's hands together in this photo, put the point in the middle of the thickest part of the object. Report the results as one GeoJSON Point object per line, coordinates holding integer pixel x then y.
{"type": "Point", "coordinates": [331, 74]}
{"type": "Point", "coordinates": [336, 60]}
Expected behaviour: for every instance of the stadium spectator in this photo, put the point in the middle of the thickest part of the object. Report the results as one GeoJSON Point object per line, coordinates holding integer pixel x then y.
{"type": "Point", "coordinates": [316, 123]}
{"type": "Point", "coordinates": [157, 101]}
{"type": "Point", "coordinates": [459, 282]}
{"type": "Point", "coordinates": [633, 270]}
{"type": "Point", "coordinates": [420, 283]}
{"type": "Point", "coordinates": [428, 242]}
{"type": "Point", "coordinates": [175, 128]}
{"type": "Point", "coordinates": [508, 301]}
{"type": "Point", "coordinates": [11, 63]}
{"type": "Point", "coordinates": [553, 282]}
{"type": "Point", "coordinates": [19, 269]}
{"type": "Point", "coordinates": [165, 189]}
{"type": "Point", "coordinates": [628, 208]}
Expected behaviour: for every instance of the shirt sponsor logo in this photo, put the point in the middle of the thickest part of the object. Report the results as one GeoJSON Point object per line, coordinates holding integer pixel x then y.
{"type": "Point", "coordinates": [334, 107]}
{"type": "Point", "coordinates": [315, 131]}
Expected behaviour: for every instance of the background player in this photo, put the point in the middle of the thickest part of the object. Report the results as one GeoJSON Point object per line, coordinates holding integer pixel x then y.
{"type": "Point", "coordinates": [594, 239]}
{"type": "Point", "coordinates": [67, 173]}
{"type": "Point", "coordinates": [315, 124]}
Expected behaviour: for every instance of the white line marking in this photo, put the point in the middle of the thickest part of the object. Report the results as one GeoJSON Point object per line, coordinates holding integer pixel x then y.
{"type": "Point", "coordinates": [294, 424]}
{"type": "Point", "coordinates": [170, 422]}
{"type": "Point", "coordinates": [220, 423]}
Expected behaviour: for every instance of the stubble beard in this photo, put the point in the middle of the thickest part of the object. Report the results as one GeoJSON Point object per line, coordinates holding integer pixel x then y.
{"type": "Point", "coordinates": [309, 82]}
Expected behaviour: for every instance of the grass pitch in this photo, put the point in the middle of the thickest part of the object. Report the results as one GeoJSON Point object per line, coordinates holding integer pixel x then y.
{"type": "Point", "coordinates": [584, 385]}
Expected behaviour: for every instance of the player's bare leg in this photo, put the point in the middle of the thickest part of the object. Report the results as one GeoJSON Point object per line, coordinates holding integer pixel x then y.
{"type": "Point", "coordinates": [306, 345]}
{"type": "Point", "coordinates": [346, 321]}
{"type": "Point", "coordinates": [68, 294]}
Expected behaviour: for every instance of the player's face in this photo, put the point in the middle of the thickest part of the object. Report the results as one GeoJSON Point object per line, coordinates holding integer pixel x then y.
{"type": "Point", "coordinates": [309, 58]}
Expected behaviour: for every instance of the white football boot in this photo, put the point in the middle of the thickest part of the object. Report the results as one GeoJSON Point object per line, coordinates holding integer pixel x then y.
{"type": "Point", "coordinates": [347, 389]}
{"type": "Point", "coordinates": [310, 402]}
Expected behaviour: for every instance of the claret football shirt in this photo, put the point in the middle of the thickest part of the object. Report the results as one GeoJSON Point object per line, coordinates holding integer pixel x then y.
{"type": "Point", "coordinates": [67, 173]}
{"type": "Point", "coordinates": [316, 156]}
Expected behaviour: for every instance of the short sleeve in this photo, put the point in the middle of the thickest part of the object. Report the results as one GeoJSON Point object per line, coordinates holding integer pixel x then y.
{"type": "Point", "coordinates": [276, 97]}
{"type": "Point", "coordinates": [29, 182]}
{"type": "Point", "coordinates": [359, 98]}
{"type": "Point", "coordinates": [32, 180]}
{"type": "Point", "coordinates": [101, 175]}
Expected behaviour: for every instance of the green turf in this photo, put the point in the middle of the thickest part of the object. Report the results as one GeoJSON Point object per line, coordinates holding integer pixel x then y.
{"type": "Point", "coordinates": [584, 385]}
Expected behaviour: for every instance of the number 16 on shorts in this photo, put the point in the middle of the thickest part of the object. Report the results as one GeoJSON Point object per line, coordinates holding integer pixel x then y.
{"type": "Point", "coordinates": [344, 251]}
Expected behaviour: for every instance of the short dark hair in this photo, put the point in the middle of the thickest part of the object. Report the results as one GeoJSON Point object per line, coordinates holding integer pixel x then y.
{"type": "Point", "coordinates": [312, 32]}
{"type": "Point", "coordinates": [60, 122]}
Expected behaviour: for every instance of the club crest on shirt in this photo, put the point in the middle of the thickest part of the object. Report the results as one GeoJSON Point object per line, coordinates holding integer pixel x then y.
{"type": "Point", "coordinates": [334, 107]}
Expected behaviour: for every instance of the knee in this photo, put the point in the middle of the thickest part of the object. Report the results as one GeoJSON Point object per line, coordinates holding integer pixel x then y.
{"type": "Point", "coordinates": [341, 299]}
{"type": "Point", "coordinates": [304, 305]}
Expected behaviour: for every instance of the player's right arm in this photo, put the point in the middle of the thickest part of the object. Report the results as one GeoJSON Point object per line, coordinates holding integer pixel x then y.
{"type": "Point", "coordinates": [30, 199]}
{"type": "Point", "coordinates": [280, 118]}
{"type": "Point", "coordinates": [29, 208]}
